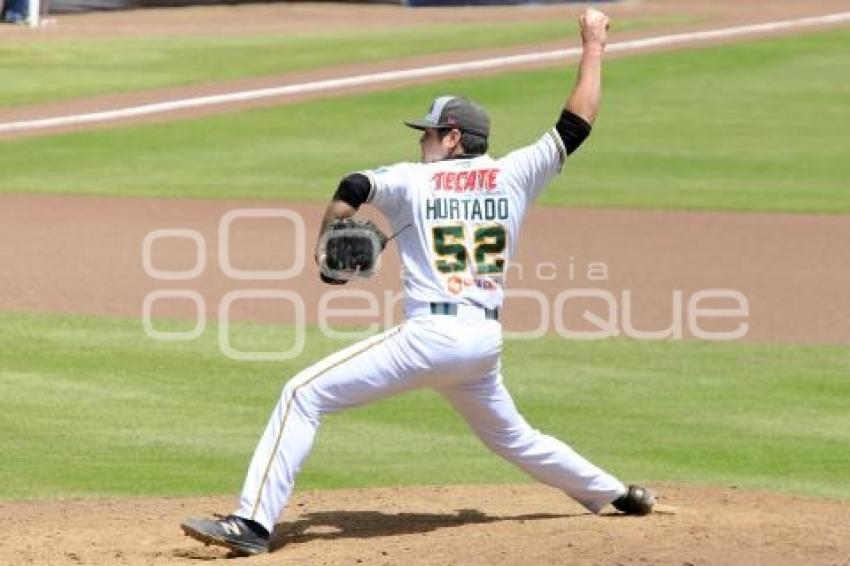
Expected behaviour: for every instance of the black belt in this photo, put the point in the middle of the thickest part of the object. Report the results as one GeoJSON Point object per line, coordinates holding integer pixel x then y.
{"type": "Point", "coordinates": [451, 309]}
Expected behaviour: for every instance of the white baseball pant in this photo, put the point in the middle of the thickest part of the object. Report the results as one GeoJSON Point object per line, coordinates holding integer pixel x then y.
{"type": "Point", "coordinates": [458, 356]}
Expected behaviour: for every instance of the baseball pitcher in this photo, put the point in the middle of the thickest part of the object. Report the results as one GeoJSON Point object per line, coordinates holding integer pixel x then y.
{"type": "Point", "coordinates": [457, 215]}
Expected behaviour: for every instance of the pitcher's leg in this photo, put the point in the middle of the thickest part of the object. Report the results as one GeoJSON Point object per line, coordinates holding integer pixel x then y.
{"type": "Point", "coordinates": [489, 409]}
{"type": "Point", "coordinates": [371, 369]}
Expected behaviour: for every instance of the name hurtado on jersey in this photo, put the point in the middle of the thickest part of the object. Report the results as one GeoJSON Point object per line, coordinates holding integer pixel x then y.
{"type": "Point", "coordinates": [469, 205]}
{"type": "Point", "coordinates": [467, 210]}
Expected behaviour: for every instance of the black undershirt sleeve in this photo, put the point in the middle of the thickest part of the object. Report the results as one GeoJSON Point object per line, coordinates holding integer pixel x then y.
{"type": "Point", "coordinates": [573, 130]}
{"type": "Point", "coordinates": [354, 189]}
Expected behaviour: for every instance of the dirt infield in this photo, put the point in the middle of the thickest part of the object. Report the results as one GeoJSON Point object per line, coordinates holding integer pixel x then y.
{"type": "Point", "coordinates": [483, 525]}
{"type": "Point", "coordinates": [84, 255]}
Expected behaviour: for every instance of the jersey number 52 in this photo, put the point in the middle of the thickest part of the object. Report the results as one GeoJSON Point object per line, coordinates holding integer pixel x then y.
{"type": "Point", "coordinates": [488, 248]}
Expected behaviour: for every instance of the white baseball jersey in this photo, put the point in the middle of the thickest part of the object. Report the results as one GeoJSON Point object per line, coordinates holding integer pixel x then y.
{"type": "Point", "coordinates": [460, 219]}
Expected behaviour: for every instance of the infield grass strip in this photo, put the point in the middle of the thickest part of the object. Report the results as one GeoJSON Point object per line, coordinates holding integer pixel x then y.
{"type": "Point", "coordinates": [91, 406]}
{"type": "Point", "coordinates": [50, 70]}
{"type": "Point", "coordinates": [757, 126]}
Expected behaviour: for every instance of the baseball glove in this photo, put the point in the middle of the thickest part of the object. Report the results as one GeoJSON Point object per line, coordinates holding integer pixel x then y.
{"type": "Point", "coordinates": [350, 249]}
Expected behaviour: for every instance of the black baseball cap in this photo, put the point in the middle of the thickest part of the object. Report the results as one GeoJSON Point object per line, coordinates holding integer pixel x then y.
{"type": "Point", "coordinates": [454, 112]}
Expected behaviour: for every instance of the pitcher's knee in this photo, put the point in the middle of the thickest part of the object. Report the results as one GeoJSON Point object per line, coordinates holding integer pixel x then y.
{"type": "Point", "coordinates": [298, 397]}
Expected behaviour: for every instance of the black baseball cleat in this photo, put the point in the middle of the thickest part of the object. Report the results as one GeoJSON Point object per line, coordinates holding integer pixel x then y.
{"type": "Point", "coordinates": [636, 501]}
{"type": "Point", "coordinates": [239, 535]}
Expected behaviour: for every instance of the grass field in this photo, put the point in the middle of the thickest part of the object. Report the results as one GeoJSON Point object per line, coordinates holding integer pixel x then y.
{"type": "Point", "coordinates": [33, 72]}
{"type": "Point", "coordinates": [761, 126]}
{"type": "Point", "coordinates": [90, 406]}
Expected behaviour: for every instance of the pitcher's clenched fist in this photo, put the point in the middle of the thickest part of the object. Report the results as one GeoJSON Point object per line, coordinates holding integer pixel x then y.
{"type": "Point", "coordinates": [594, 27]}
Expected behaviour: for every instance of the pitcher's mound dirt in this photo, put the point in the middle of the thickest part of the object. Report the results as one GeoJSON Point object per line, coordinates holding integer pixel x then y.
{"type": "Point", "coordinates": [506, 524]}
